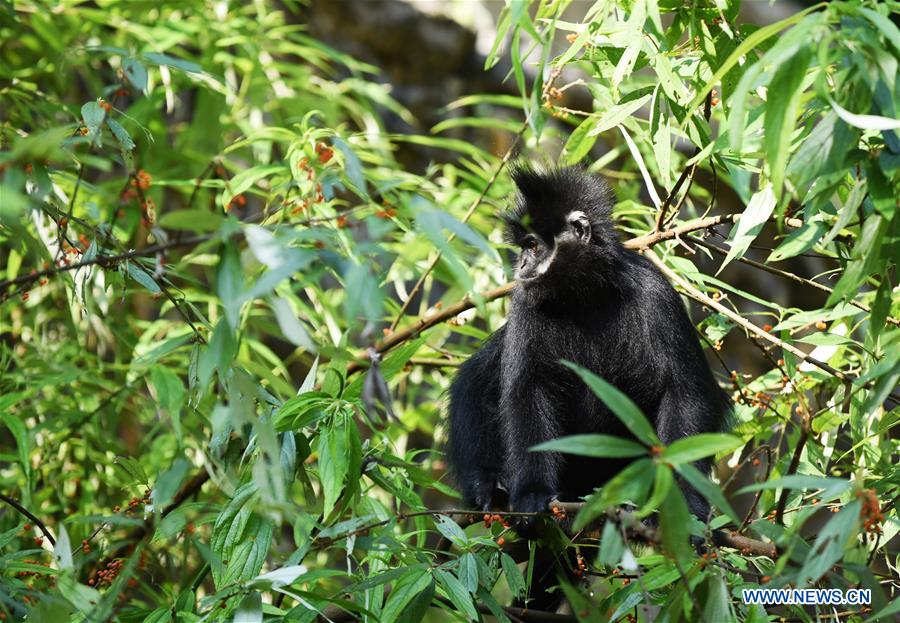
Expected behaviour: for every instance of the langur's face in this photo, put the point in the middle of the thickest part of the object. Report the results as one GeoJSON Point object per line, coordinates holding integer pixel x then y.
{"type": "Point", "coordinates": [542, 252]}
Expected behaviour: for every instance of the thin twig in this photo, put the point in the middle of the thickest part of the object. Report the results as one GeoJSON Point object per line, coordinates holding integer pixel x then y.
{"type": "Point", "coordinates": [437, 257]}
{"type": "Point", "coordinates": [697, 295]}
{"type": "Point", "coordinates": [27, 513]}
{"type": "Point", "coordinates": [686, 175]}
{"type": "Point", "coordinates": [792, 468]}
{"type": "Point", "coordinates": [785, 274]}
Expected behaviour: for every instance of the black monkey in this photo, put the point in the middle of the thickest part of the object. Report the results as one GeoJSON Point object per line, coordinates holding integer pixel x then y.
{"type": "Point", "coordinates": [581, 296]}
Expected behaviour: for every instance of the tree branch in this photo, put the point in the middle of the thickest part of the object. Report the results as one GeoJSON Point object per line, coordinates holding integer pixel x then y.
{"type": "Point", "coordinates": [697, 295]}
{"type": "Point", "coordinates": [468, 302]}
{"type": "Point", "coordinates": [785, 274]}
{"type": "Point", "coordinates": [437, 257]}
{"type": "Point", "coordinates": [27, 513]}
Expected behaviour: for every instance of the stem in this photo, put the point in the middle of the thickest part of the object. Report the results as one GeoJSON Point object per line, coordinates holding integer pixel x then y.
{"type": "Point", "coordinates": [27, 513]}
{"type": "Point", "coordinates": [697, 295]}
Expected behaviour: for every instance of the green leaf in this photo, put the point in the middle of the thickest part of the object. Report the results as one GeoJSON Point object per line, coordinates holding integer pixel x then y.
{"type": "Point", "coordinates": [230, 282]}
{"type": "Point", "coordinates": [121, 134]}
{"type": "Point", "coordinates": [740, 52]}
{"type": "Point", "coordinates": [865, 122]}
{"type": "Point", "coordinates": [662, 482]}
{"type": "Point", "coordinates": [247, 178]}
{"type": "Point", "coordinates": [218, 354]}
{"type": "Point", "coordinates": [168, 483]}
{"type": "Point", "coordinates": [699, 446]}
{"type": "Point", "coordinates": [352, 167]}
{"type": "Point", "coordinates": [514, 578]}
{"type": "Point", "coordinates": [93, 116]}
{"type": "Point", "coordinates": [284, 576]}
{"type": "Point", "coordinates": [160, 615]}
{"type": "Point", "coordinates": [140, 275]}
{"type": "Point", "coordinates": [133, 468]}
{"type": "Point", "coordinates": [485, 597]}
{"type": "Point", "coordinates": [191, 220]}
{"type": "Point", "coordinates": [617, 114]}
{"type": "Point", "coordinates": [717, 604]}
{"type": "Point", "coordinates": [886, 26]}
{"type": "Point", "coordinates": [840, 531]}
{"type": "Point", "coordinates": [457, 593]}
{"type": "Point", "coordinates": [884, 613]}
{"type": "Point", "coordinates": [437, 219]}
{"type": "Point", "coordinates": [630, 485]}
{"type": "Point", "coordinates": [294, 330]}
{"type": "Point", "coordinates": [579, 143]}
{"type": "Point", "coordinates": [866, 252]}
{"type": "Point", "coordinates": [136, 73]}
{"type": "Point", "coordinates": [620, 404]}
{"type": "Point", "coordinates": [800, 240]}
{"type": "Point", "coordinates": [782, 109]}
{"type": "Point", "coordinates": [831, 487]}
{"type": "Point", "coordinates": [20, 434]}
{"type": "Point", "coordinates": [334, 462]}
{"type": "Point", "coordinates": [602, 446]}
{"type": "Point", "coordinates": [250, 609]}
{"type": "Point", "coordinates": [240, 539]}
{"type": "Point", "coordinates": [451, 530]}
{"type": "Point", "coordinates": [410, 585]}
{"type": "Point", "coordinates": [171, 61]}
{"type": "Point", "coordinates": [674, 525]}
{"type": "Point", "coordinates": [611, 545]}
{"type": "Point", "coordinates": [468, 571]}
{"type": "Point", "coordinates": [708, 489]}
{"type": "Point", "coordinates": [757, 212]}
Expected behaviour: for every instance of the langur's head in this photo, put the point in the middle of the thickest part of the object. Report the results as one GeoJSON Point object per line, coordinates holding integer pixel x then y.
{"type": "Point", "coordinates": [561, 223]}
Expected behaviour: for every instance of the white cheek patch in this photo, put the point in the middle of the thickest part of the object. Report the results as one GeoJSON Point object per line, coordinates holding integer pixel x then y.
{"type": "Point", "coordinates": [544, 266]}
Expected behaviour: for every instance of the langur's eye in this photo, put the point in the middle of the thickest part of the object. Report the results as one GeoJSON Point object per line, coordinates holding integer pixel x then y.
{"type": "Point", "coordinates": [530, 245]}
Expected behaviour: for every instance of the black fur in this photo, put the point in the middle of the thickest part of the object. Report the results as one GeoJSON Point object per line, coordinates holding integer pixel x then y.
{"type": "Point", "coordinates": [599, 305]}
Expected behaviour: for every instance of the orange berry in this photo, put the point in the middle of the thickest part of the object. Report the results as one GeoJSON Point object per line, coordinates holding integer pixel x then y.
{"type": "Point", "coordinates": [767, 327]}
{"type": "Point", "coordinates": [501, 541]}
{"type": "Point", "coordinates": [324, 153]}
{"type": "Point", "coordinates": [821, 326]}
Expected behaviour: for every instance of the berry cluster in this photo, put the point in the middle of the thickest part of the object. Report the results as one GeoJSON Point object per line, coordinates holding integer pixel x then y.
{"type": "Point", "coordinates": [106, 576]}
{"type": "Point", "coordinates": [871, 511]}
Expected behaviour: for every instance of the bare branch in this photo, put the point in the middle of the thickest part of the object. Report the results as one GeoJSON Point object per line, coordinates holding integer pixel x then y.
{"type": "Point", "coordinates": [785, 274]}
{"type": "Point", "coordinates": [27, 513]}
{"type": "Point", "coordinates": [697, 295]}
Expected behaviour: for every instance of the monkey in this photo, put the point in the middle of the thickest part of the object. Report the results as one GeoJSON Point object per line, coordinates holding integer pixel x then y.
{"type": "Point", "coordinates": [579, 295]}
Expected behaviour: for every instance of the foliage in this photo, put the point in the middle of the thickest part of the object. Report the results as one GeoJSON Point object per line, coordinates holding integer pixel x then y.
{"type": "Point", "coordinates": [206, 237]}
